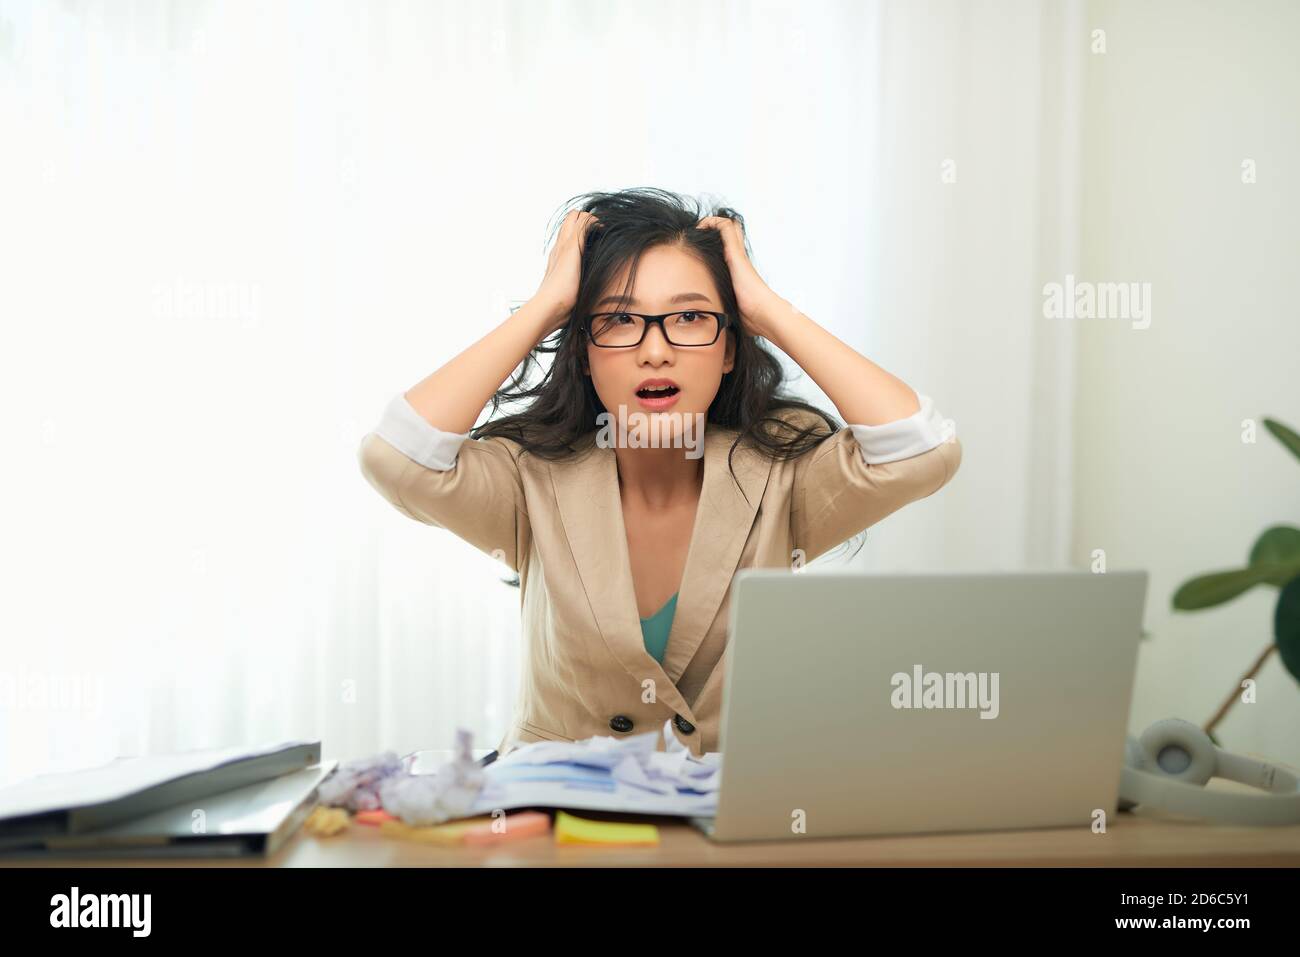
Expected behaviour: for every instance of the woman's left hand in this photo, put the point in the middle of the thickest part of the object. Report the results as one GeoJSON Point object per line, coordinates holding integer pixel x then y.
{"type": "Point", "coordinates": [756, 300]}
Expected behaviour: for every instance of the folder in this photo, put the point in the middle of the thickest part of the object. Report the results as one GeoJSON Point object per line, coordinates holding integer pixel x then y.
{"type": "Point", "coordinates": [66, 804]}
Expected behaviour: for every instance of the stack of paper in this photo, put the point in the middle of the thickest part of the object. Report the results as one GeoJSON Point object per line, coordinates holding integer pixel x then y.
{"type": "Point", "coordinates": [605, 774]}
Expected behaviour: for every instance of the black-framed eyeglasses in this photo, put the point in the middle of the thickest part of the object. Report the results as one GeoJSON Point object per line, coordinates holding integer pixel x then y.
{"type": "Point", "coordinates": [622, 330]}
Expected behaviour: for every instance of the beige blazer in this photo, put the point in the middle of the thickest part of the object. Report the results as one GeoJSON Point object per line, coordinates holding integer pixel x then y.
{"type": "Point", "coordinates": [560, 526]}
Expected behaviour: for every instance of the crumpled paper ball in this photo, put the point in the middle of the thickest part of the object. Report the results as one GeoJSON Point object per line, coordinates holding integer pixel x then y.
{"type": "Point", "coordinates": [355, 785]}
{"type": "Point", "coordinates": [383, 781]}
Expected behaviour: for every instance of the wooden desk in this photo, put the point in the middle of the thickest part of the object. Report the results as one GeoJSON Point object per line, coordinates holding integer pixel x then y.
{"type": "Point", "coordinates": [1133, 840]}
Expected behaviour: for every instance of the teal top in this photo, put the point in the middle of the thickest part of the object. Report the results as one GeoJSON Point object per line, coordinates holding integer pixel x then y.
{"type": "Point", "coordinates": [654, 630]}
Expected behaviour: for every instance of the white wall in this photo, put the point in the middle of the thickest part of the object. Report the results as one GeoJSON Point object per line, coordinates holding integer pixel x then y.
{"type": "Point", "coordinates": [1183, 94]}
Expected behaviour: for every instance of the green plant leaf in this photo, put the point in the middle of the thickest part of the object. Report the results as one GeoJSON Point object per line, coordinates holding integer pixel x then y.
{"type": "Point", "coordinates": [1278, 546]}
{"type": "Point", "coordinates": [1286, 627]}
{"type": "Point", "coordinates": [1205, 591]}
{"type": "Point", "coordinates": [1284, 435]}
{"type": "Point", "coordinates": [1215, 738]}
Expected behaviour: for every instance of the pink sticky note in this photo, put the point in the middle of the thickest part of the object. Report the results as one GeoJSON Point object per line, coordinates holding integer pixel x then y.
{"type": "Point", "coordinates": [523, 824]}
{"type": "Point", "coordinates": [375, 817]}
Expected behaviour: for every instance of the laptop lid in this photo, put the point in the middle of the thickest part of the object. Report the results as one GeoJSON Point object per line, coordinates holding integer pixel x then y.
{"type": "Point", "coordinates": [885, 704]}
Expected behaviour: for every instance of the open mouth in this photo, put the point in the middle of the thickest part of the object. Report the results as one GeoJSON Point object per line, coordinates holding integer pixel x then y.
{"type": "Point", "coordinates": [661, 393]}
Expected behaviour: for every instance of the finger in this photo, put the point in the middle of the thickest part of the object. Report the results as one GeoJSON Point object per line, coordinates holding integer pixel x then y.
{"type": "Point", "coordinates": [572, 219]}
{"type": "Point", "coordinates": [588, 224]}
{"type": "Point", "coordinates": [731, 240]}
{"type": "Point", "coordinates": [568, 229]}
{"type": "Point", "coordinates": [580, 223]}
{"type": "Point", "coordinates": [724, 226]}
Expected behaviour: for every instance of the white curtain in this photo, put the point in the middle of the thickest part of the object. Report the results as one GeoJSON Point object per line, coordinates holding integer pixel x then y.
{"type": "Point", "coordinates": [232, 231]}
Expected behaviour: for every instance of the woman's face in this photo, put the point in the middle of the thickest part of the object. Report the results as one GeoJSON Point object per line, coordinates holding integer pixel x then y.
{"type": "Point", "coordinates": [665, 277]}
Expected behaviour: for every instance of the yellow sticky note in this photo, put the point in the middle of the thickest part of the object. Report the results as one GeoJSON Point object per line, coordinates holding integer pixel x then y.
{"type": "Point", "coordinates": [580, 830]}
{"type": "Point", "coordinates": [326, 821]}
{"type": "Point", "coordinates": [452, 832]}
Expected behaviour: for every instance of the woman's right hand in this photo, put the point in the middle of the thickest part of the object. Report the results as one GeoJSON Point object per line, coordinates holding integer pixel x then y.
{"type": "Point", "coordinates": [559, 288]}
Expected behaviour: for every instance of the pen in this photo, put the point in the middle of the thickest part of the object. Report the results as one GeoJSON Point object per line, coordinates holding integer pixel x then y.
{"type": "Point", "coordinates": [487, 759]}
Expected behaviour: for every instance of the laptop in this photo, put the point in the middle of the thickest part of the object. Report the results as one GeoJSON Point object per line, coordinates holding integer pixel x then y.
{"type": "Point", "coordinates": [858, 705]}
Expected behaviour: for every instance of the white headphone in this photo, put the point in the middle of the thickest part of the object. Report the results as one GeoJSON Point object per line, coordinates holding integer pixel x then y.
{"type": "Point", "coordinates": [1168, 766]}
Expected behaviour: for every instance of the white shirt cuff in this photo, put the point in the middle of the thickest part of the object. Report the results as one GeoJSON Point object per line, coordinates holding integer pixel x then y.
{"type": "Point", "coordinates": [919, 432]}
{"type": "Point", "coordinates": [406, 430]}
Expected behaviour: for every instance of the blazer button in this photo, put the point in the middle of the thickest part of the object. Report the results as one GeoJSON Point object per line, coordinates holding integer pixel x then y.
{"type": "Point", "coordinates": [684, 726]}
{"type": "Point", "coordinates": [620, 722]}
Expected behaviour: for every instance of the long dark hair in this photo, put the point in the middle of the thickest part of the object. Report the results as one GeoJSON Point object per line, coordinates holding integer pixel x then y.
{"type": "Point", "coordinates": [564, 405]}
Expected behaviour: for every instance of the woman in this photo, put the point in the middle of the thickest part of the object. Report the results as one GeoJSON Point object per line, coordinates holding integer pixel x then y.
{"type": "Point", "coordinates": [626, 548]}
